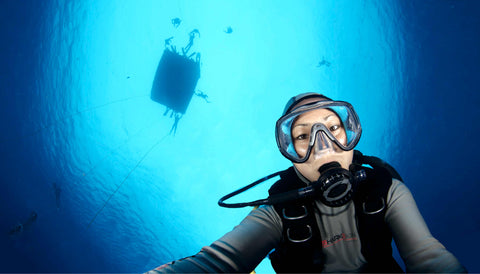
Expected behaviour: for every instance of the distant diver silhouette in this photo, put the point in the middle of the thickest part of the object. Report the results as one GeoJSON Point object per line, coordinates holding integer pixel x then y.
{"type": "Point", "coordinates": [201, 94]}
{"type": "Point", "coordinates": [57, 190]}
{"type": "Point", "coordinates": [228, 30]}
{"type": "Point", "coordinates": [176, 22]}
{"type": "Point", "coordinates": [175, 124]}
{"type": "Point", "coordinates": [19, 228]}
{"type": "Point", "coordinates": [191, 36]}
{"type": "Point", "coordinates": [166, 111]}
{"type": "Point", "coordinates": [168, 41]}
{"type": "Point", "coordinates": [323, 63]}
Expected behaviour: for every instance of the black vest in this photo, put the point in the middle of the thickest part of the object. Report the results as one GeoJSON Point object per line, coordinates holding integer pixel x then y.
{"type": "Point", "coordinates": [300, 250]}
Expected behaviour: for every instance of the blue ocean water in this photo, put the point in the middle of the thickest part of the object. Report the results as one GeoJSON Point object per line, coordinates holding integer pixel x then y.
{"type": "Point", "coordinates": [84, 147]}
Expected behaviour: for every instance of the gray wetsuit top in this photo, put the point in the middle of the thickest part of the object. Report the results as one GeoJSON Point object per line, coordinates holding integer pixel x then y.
{"type": "Point", "coordinates": [243, 248]}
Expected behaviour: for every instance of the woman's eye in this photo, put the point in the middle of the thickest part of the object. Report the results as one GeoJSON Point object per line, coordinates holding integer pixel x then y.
{"type": "Point", "coordinates": [302, 137]}
{"type": "Point", "coordinates": [334, 127]}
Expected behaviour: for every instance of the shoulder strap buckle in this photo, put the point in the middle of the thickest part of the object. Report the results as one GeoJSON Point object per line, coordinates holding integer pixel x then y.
{"type": "Point", "coordinates": [310, 234]}
{"type": "Point", "coordinates": [373, 211]}
{"type": "Point", "coordinates": [302, 215]}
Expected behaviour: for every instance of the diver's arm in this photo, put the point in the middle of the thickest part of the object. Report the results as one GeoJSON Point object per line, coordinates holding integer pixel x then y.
{"type": "Point", "coordinates": [240, 250]}
{"type": "Point", "coordinates": [420, 251]}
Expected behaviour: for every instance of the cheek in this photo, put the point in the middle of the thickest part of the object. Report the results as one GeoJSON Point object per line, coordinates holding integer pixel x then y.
{"type": "Point", "coordinates": [342, 138]}
{"type": "Point", "coordinates": [301, 148]}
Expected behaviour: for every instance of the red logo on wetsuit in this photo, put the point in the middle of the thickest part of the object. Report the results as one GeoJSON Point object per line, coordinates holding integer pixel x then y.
{"type": "Point", "coordinates": [338, 238]}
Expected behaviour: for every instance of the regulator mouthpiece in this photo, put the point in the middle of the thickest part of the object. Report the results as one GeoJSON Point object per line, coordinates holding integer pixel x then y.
{"type": "Point", "coordinates": [335, 185]}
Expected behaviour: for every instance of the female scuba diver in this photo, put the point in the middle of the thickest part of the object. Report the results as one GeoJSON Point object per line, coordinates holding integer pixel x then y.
{"type": "Point", "coordinates": [329, 212]}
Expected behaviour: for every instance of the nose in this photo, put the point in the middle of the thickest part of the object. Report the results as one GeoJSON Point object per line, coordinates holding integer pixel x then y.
{"type": "Point", "coordinates": [323, 145]}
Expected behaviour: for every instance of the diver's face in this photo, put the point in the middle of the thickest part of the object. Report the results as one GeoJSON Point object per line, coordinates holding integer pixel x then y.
{"type": "Point", "coordinates": [321, 153]}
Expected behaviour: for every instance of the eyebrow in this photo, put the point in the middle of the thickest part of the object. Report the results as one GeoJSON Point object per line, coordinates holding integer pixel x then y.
{"type": "Point", "coordinates": [300, 125]}
{"type": "Point", "coordinates": [324, 119]}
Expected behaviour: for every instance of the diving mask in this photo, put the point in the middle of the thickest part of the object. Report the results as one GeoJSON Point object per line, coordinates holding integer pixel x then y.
{"type": "Point", "coordinates": [324, 126]}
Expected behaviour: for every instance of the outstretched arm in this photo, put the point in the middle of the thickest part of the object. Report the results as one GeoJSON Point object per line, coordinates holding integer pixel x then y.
{"type": "Point", "coordinates": [240, 250]}
{"type": "Point", "coordinates": [420, 251]}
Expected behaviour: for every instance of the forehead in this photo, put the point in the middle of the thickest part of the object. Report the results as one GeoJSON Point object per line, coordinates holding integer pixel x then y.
{"type": "Point", "coordinates": [316, 115]}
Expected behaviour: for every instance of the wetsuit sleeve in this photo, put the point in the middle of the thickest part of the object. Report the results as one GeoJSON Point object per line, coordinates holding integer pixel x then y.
{"type": "Point", "coordinates": [420, 251]}
{"type": "Point", "coordinates": [240, 250]}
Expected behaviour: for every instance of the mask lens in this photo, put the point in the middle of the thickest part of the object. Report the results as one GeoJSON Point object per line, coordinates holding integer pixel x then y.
{"type": "Point", "coordinates": [350, 123]}
{"type": "Point", "coordinates": [328, 122]}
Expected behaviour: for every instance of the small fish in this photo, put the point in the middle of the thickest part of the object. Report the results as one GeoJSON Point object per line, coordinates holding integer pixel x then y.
{"type": "Point", "coordinates": [228, 30]}
{"type": "Point", "coordinates": [323, 63]}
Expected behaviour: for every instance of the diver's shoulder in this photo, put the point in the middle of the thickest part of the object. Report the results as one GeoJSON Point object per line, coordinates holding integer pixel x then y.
{"type": "Point", "coordinates": [398, 185]}
{"type": "Point", "coordinates": [398, 191]}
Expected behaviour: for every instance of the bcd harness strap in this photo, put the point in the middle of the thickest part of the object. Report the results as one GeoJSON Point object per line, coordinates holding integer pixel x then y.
{"type": "Point", "coordinates": [300, 250]}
